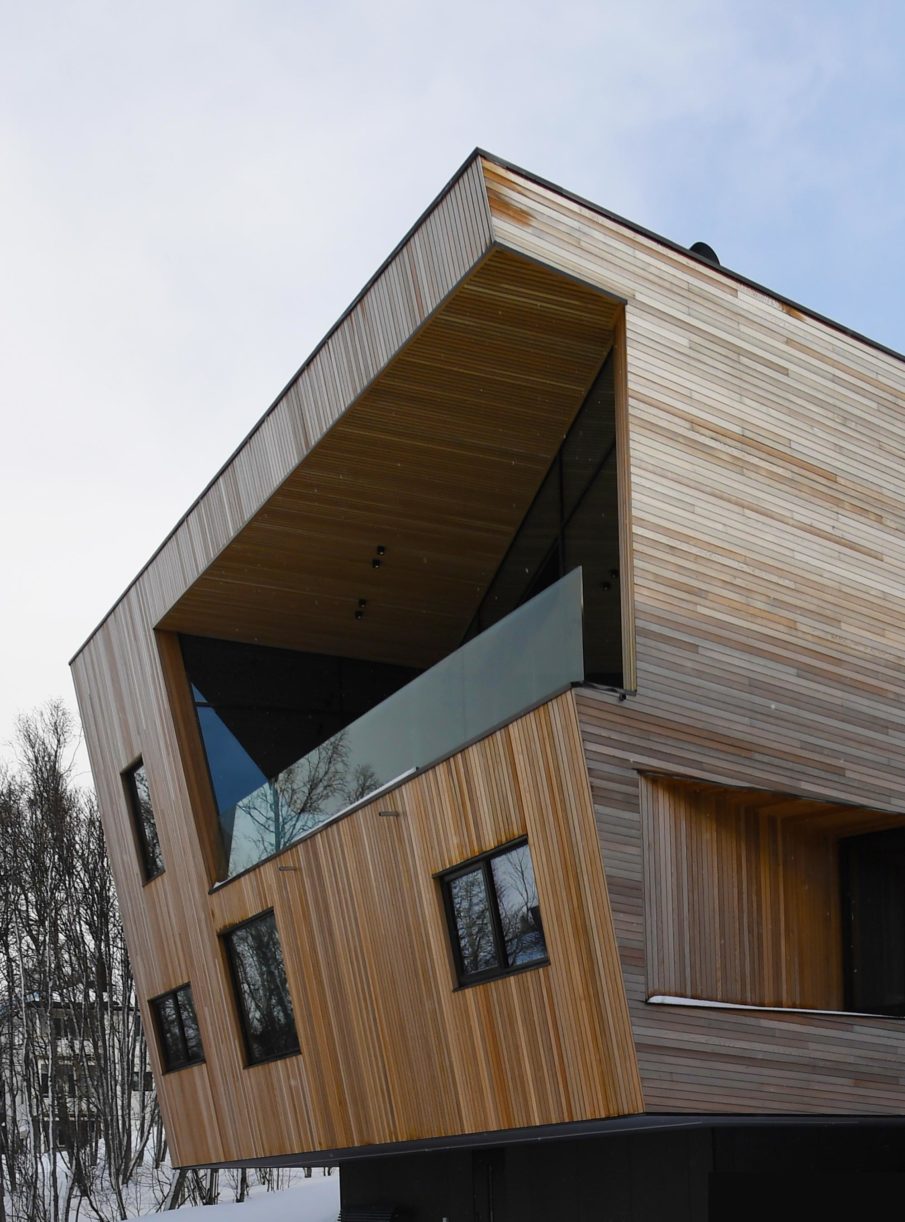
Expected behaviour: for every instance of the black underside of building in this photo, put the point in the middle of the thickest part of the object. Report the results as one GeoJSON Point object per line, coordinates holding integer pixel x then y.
{"type": "Point", "coordinates": [724, 1172]}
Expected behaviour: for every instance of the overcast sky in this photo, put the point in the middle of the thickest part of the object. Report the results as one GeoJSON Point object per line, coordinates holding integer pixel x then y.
{"type": "Point", "coordinates": [192, 192]}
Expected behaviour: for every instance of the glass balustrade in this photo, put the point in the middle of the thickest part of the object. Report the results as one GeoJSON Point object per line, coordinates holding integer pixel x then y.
{"type": "Point", "coordinates": [526, 658]}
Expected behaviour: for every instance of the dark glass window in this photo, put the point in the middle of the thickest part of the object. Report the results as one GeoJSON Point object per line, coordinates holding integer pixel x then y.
{"type": "Point", "coordinates": [177, 1028]}
{"type": "Point", "coordinates": [493, 913]}
{"type": "Point", "coordinates": [139, 799]}
{"type": "Point", "coordinates": [262, 993]}
{"type": "Point", "coordinates": [873, 920]}
{"type": "Point", "coordinates": [573, 521]}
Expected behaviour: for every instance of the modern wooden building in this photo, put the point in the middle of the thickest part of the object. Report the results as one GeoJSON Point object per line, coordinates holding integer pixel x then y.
{"type": "Point", "coordinates": [502, 761]}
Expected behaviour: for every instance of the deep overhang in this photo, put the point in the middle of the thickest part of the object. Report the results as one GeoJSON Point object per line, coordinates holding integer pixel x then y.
{"type": "Point", "coordinates": [429, 472]}
{"type": "Point", "coordinates": [457, 355]}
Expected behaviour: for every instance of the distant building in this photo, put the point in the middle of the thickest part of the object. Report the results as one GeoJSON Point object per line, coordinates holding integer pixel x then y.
{"type": "Point", "coordinates": [51, 1082]}
{"type": "Point", "coordinates": [502, 760]}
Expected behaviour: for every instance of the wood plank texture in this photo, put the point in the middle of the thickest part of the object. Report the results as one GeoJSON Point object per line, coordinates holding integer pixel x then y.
{"type": "Point", "coordinates": [437, 462]}
{"type": "Point", "coordinates": [743, 893]}
{"type": "Point", "coordinates": [699, 1060]}
{"type": "Point", "coordinates": [448, 243]}
{"type": "Point", "coordinates": [391, 1050]}
{"type": "Point", "coordinates": [767, 468]}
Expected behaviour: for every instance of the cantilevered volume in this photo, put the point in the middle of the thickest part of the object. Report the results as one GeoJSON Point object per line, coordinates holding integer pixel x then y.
{"type": "Point", "coordinates": [582, 557]}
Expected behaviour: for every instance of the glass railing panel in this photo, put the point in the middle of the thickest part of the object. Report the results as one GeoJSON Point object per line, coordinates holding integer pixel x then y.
{"type": "Point", "coordinates": [526, 658]}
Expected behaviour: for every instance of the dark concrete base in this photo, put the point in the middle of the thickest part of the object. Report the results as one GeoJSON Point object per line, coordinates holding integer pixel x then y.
{"type": "Point", "coordinates": [701, 1175]}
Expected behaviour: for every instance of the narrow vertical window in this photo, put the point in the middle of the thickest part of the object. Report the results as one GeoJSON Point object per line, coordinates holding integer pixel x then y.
{"type": "Point", "coordinates": [262, 993]}
{"type": "Point", "coordinates": [494, 915]}
{"type": "Point", "coordinates": [177, 1028]}
{"type": "Point", "coordinates": [139, 799]}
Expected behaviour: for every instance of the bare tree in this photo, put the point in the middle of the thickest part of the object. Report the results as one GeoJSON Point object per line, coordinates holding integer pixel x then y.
{"type": "Point", "coordinates": [516, 898]}
{"type": "Point", "coordinates": [300, 798]}
{"type": "Point", "coordinates": [473, 921]}
{"type": "Point", "coordinates": [80, 1129]}
{"type": "Point", "coordinates": [77, 1112]}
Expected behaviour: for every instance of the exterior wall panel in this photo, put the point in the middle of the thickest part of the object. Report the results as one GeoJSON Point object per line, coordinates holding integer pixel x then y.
{"type": "Point", "coordinates": [390, 1049]}
{"type": "Point", "coordinates": [768, 540]}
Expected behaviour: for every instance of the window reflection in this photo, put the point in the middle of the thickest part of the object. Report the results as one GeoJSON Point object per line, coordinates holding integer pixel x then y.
{"type": "Point", "coordinates": [494, 914]}
{"type": "Point", "coordinates": [233, 772]}
{"type": "Point", "coordinates": [516, 896]}
{"type": "Point", "coordinates": [139, 796]}
{"type": "Point", "coordinates": [177, 1028]}
{"type": "Point", "coordinates": [190, 1027]}
{"type": "Point", "coordinates": [473, 924]}
{"type": "Point", "coordinates": [573, 521]}
{"type": "Point", "coordinates": [170, 1035]}
{"type": "Point", "coordinates": [272, 724]}
{"type": "Point", "coordinates": [262, 993]}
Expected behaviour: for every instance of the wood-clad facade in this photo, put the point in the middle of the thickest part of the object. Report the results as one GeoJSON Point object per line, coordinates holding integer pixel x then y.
{"type": "Point", "coordinates": [684, 823]}
{"type": "Point", "coordinates": [767, 494]}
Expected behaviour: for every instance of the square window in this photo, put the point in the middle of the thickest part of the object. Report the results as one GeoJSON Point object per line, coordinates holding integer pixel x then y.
{"type": "Point", "coordinates": [494, 916]}
{"type": "Point", "coordinates": [139, 797]}
{"type": "Point", "coordinates": [177, 1028]}
{"type": "Point", "coordinates": [262, 992]}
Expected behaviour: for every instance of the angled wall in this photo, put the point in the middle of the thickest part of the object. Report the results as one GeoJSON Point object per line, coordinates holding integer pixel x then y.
{"type": "Point", "coordinates": [455, 354]}
{"type": "Point", "coordinates": [761, 489]}
{"type": "Point", "coordinates": [767, 536]}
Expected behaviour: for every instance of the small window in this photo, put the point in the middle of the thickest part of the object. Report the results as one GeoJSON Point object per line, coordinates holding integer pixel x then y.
{"type": "Point", "coordinates": [493, 913]}
{"type": "Point", "coordinates": [262, 993]}
{"type": "Point", "coordinates": [139, 797]}
{"type": "Point", "coordinates": [177, 1028]}
{"type": "Point", "coordinates": [142, 1082]}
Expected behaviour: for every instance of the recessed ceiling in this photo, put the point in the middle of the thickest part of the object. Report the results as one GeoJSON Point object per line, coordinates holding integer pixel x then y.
{"type": "Point", "coordinates": [436, 462]}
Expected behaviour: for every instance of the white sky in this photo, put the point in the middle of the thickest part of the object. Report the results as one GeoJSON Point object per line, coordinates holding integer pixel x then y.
{"type": "Point", "coordinates": [192, 192]}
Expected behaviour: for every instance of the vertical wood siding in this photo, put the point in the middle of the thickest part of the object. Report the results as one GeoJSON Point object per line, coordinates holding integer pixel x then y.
{"type": "Point", "coordinates": [743, 896]}
{"type": "Point", "coordinates": [391, 1050]}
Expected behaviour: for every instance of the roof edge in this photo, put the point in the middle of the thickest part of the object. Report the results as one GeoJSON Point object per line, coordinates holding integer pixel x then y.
{"type": "Point", "coordinates": [224, 466]}
{"type": "Point", "coordinates": [677, 248]}
{"type": "Point", "coordinates": [478, 153]}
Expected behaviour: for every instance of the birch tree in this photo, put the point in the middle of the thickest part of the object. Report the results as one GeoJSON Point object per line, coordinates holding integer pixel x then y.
{"type": "Point", "coordinates": [77, 1111]}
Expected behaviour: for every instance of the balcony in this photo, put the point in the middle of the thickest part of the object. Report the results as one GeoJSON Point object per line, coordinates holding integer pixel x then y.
{"type": "Point", "coordinates": [526, 658]}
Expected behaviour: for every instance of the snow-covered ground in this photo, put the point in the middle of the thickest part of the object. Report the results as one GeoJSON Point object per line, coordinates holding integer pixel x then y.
{"type": "Point", "coordinates": [314, 1200]}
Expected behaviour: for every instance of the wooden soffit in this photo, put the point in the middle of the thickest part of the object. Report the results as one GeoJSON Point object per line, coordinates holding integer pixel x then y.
{"type": "Point", "coordinates": [436, 463]}
{"type": "Point", "coordinates": [824, 814]}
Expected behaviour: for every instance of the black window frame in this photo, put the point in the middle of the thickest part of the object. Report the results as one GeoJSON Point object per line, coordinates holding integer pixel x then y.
{"type": "Point", "coordinates": [149, 866]}
{"type": "Point", "coordinates": [173, 1066]}
{"type": "Point", "coordinates": [251, 1058]}
{"type": "Point", "coordinates": [501, 968]}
